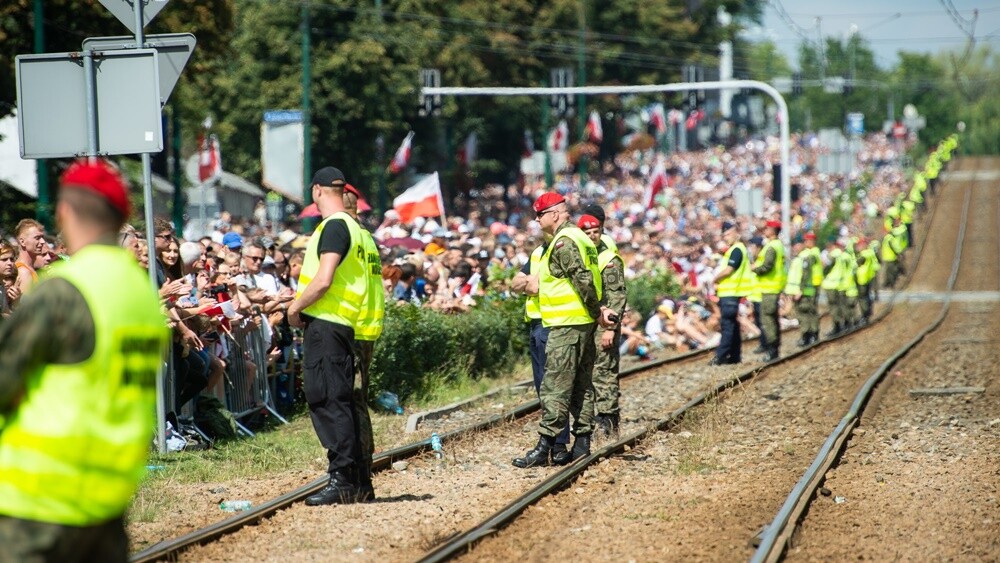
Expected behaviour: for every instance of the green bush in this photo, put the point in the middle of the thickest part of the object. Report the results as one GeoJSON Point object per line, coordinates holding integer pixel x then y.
{"type": "Point", "coordinates": [421, 348]}
{"type": "Point", "coordinates": [644, 292]}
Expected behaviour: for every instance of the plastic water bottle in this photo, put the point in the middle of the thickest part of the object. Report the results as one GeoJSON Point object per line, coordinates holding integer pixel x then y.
{"type": "Point", "coordinates": [389, 402]}
{"type": "Point", "coordinates": [235, 505]}
{"type": "Point", "coordinates": [436, 446]}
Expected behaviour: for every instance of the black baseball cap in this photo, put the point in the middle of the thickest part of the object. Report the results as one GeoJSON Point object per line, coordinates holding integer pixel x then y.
{"type": "Point", "coordinates": [327, 175]}
{"type": "Point", "coordinates": [726, 225]}
{"type": "Point", "coordinates": [595, 211]}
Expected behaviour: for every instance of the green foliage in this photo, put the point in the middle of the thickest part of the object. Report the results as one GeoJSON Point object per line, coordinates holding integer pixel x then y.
{"type": "Point", "coordinates": [645, 292]}
{"type": "Point", "coordinates": [420, 348]}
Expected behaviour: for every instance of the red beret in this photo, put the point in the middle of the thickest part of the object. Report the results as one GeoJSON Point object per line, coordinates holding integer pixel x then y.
{"type": "Point", "coordinates": [547, 200]}
{"type": "Point", "coordinates": [774, 224]}
{"type": "Point", "coordinates": [810, 236]}
{"type": "Point", "coordinates": [100, 178]}
{"type": "Point", "coordinates": [352, 189]}
{"type": "Point", "coordinates": [588, 222]}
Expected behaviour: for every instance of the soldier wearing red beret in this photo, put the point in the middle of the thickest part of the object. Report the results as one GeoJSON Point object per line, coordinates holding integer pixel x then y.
{"type": "Point", "coordinates": [771, 276]}
{"type": "Point", "coordinates": [569, 298]}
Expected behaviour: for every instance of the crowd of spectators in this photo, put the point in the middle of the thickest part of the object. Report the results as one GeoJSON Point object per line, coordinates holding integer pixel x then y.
{"type": "Point", "coordinates": [452, 264]}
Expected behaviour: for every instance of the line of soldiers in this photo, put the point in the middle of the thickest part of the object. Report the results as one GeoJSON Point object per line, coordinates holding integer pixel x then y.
{"type": "Point", "coordinates": [575, 283]}
{"type": "Point", "coordinates": [848, 275]}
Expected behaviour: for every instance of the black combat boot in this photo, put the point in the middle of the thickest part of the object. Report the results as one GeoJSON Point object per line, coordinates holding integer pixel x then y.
{"type": "Point", "coordinates": [771, 354]}
{"type": "Point", "coordinates": [537, 457]}
{"type": "Point", "coordinates": [581, 446]}
{"type": "Point", "coordinates": [560, 454]}
{"type": "Point", "coordinates": [340, 490]}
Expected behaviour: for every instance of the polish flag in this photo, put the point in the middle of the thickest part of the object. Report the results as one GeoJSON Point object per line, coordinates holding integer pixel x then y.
{"type": "Point", "coordinates": [594, 131]}
{"type": "Point", "coordinates": [402, 156]}
{"type": "Point", "coordinates": [657, 181]}
{"type": "Point", "coordinates": [658, 119]}
{"type": "Point", "coordinates": [424, 199]}
{"type": "Point", "coordinates": [209, 159]}
{"type": "Point", "coordinates": [559, 137]}
{"type": "Point", "coordinates": [675, 116]}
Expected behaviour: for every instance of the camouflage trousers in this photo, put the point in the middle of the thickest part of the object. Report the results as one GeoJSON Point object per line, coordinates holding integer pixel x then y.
{"type": "Point", "coordinates": [606, 391]}
{"type": "Point", "coordinates": [805, 311]}
{"type": "Point", "coordinates": [30, 541]}
{"type": "Point", "coordinates": [769, 320]}
{"type": "Point", "coordinates": [567, 386]}
{"type": "Point", "coordinates": [363, 350]}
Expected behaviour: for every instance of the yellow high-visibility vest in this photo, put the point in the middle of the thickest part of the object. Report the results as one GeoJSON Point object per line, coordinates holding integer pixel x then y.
{"type": "Point", "coordinates": [368, 327]}
{"type": "Point", "coordinates": [75, 449]}
{"type": "Point", "coordinates": [774, 281]}
{"type": "Point", "coordinates": [558, 301]}
{"type": "Point", "coordinates": [739, 283]}
{"type": "Point", "coordinates": [343, 301]}
{"type": "Point", "coordinates": [868, 270]}
{"type": "Point", "coordinates": [531, 308]}
{"type": "Point", "coordinates": [831, 282]}
{"type": "Point", "coordinates": [793, 285]}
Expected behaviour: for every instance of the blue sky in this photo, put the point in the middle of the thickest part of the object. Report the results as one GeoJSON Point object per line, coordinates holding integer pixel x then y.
{"type": "Point", "coordinates": [922, 25]}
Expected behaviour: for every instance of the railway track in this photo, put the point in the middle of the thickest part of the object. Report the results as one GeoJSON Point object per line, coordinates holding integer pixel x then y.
{"type": "Point", "coordinates": [949, 360]}
{"type": "Point", "coordinates": [485, 420]}
{"type": "Point", "coordinates": [438, 547]}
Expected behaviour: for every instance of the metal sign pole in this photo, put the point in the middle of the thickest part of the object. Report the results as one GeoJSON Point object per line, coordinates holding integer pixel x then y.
{"type": "Point", "coordinates": [147, 196]}
{"type": "Point", "coordinates": [654, 88]}
{"type": "Point", "coordinates": [91, 97]}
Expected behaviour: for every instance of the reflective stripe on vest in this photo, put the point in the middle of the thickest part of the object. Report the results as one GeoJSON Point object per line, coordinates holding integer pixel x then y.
{"type": "Point", "coordinates": [739, 283]}
{"type": "Point", "coordinates": [370, 319]}
{"type": "Point", "coordinates": [868, 270]}
{"type": "Point", "coordinates": [531, 308]}
{"type": "Point", "coordinates": [344, 299]}
{"type": "Point", "coordinates": [559, 302]}
{"type": "Point", "coordinates": [74, 451]}
{"type": "Point", "coordinates": [774, 281]}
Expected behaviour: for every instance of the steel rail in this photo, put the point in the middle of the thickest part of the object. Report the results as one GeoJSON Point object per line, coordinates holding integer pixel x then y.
{"type": "Point", "coordinates": [778, 533]}
{"type": "Point", "coordinates": [167, 548]}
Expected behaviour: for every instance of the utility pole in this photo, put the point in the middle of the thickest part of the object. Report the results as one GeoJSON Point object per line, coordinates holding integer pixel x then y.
{"type": "Point", "coordinates": [581, 71]}
{"type": "Point", "coordinates": [43, 210]}
{"type": "Point", "coordinates": [307, 171]}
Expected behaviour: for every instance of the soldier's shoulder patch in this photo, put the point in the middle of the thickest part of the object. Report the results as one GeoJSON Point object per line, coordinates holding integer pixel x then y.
{"type": "Point", "coordinates": [560, 244]}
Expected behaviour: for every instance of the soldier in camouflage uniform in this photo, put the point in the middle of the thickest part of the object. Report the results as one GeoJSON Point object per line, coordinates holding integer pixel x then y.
{"type": "Point", "coordinates": [569, 297]}
{"type": "Point", "coordinates": [606, 365]}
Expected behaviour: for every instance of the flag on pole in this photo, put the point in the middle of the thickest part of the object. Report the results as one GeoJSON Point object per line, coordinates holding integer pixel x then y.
{"type": "Point", "coordinates": [658, 119]}
{"type": "Point", "coordinates": [693, 118]}
{"type": "Point", "coordinates": [402, 156]}
{"type": "Point", "coordinates": [209, 159]}
{"type": "Point", "coordinates": [675, 116]}
{"type": "Point", "coordinates": [657, 181]}
{"type": "Point", "coordinates": [423, 199]}
{"type": "Point", "coordinates": [559, 137]}
{"type": "Point", "coordinates": [467, 153]}
{"type": "Point", "coordinates": [594, 132]}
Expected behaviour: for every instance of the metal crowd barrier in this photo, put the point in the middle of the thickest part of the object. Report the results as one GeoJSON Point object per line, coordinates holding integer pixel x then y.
{"type": "Point", "coordinates": [248, 387]}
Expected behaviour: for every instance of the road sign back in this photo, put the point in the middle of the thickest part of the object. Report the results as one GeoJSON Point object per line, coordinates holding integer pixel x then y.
{"type": "Point", "coordinates": [172, 51]}
{"type": "Point", "coordinates": [124, 10]}
{"type": "Point", "coordinates": [52, 108]}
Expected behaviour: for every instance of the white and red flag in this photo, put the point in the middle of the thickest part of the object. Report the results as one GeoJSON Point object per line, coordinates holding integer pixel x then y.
{"type": "Point", "coordinates": [658, 119]}
{"type": "Point", "coordinates": [675, 116]}
{"type": "Point", "coordinates": [657, 182]}
{"type": "Point", "coordinates": [469, 150]}
{"type": "Point", "coordinates": [423, 199]}
{"type": "Point", "coordinates": [209, 159]}
{"type": "Point", "coordinates": [594, 131]}
{"type": "Point", "coordinates": [402, 156]}
{"type": "Point", "coordinates": [693, 118]}
{"type": "Point", "coordinates": [559, 137]}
